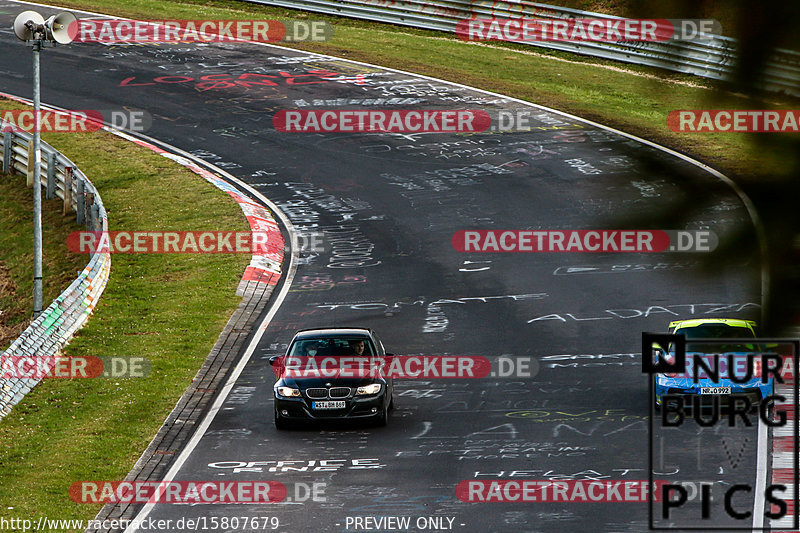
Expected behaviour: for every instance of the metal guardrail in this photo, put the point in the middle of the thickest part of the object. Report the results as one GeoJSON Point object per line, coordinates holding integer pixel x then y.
{"type": "Point", "coordinates": [712, 57]}
{"type": "Point", "coordinates": [51, 330]}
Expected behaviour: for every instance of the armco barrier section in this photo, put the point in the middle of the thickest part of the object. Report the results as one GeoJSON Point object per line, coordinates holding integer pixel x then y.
{"type": "Point", "coordinates": [713, 56]}
{"type": "Point", "coordinates": [56, 325]}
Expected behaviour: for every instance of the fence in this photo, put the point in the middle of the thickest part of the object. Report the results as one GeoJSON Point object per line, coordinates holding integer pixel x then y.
{"type": "Point", "coordinates": [56, 325]}
{"type": "Point", "coordinates": [713, 56]}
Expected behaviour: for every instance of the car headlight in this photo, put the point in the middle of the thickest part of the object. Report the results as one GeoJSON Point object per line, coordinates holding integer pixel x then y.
{"type": "Point", "coordinates": [375, 388]}
{"type": "Point", "coordinates": [288, 391]}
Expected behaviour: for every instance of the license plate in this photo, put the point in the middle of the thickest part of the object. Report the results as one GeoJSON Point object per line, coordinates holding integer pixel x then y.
{"type": "Point", "coordinates": [327, 405]}
{"type": "Point", "coordinates": [715, 390]}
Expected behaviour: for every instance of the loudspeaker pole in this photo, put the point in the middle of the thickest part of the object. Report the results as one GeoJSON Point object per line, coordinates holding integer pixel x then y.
{"type": "Point", "coordinates": [37, 188]}
{"type": "Point", "coordinates": [31, 27]}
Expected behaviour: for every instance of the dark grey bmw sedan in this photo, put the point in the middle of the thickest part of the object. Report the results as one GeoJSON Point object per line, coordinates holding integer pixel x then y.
{"type": "Point", "coordinates": [332, 373]}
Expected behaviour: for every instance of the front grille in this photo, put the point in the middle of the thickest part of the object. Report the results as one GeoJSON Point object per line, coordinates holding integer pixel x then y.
{"type": "Point", "coordinates": [340, 392]}
{"type": "Point", "coordinates": [317, 394]}
{"type": "Point", "coordinates": [321, 394]}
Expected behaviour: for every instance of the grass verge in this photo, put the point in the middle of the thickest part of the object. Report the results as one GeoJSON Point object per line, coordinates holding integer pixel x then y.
{"type": "Point", "coordinates": [95, 429]}
{"type": "Point", "coordinates": [59, 267]}
{"type": "Point", "coordinates": [628, 97]}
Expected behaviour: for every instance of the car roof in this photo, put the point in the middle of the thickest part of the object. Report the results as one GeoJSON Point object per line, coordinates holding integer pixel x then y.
{"type": "Point", "coordinates": [316, 333]}
{"type": "Point", "coordinates": [694, 322]}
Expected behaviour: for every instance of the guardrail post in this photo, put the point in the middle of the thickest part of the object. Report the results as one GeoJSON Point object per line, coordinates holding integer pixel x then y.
{"type": "Point", "coordinates": [31, 166]}
{"type": "Point", "coordinates": [89, 210]}
{"type": "Point", "coordinates": [51, 175]}
{"type": "Point", "coordinates": [95, 215]}
{"type": "Point", "coordinates": [81, 210]}
{"type": "Point", "coordinates": [67, 190]}
{"type": "Point", "coordinates": [8, 142]}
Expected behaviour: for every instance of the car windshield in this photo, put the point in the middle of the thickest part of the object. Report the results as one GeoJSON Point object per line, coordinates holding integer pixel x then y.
{"type": "Point", "coordinates": [717, 331]}
{"type": "Point", "coordinates": [332, 347]}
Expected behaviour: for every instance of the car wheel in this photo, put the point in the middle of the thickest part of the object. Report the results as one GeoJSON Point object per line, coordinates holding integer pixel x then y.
{"type": "Point", "coordinates": [383, 417]}
{"type": "Point", "coordinates": [281, 422]}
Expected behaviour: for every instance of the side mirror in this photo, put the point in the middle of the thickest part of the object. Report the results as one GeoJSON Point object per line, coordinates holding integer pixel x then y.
{"type": "Point", "coordinates": [275, 359]}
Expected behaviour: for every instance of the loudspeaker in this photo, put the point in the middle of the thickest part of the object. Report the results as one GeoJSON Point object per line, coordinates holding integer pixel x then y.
{"type": "Point", "coordinates": [20, 30]}
{"type": "Point", "coordinates": [57, 27]}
